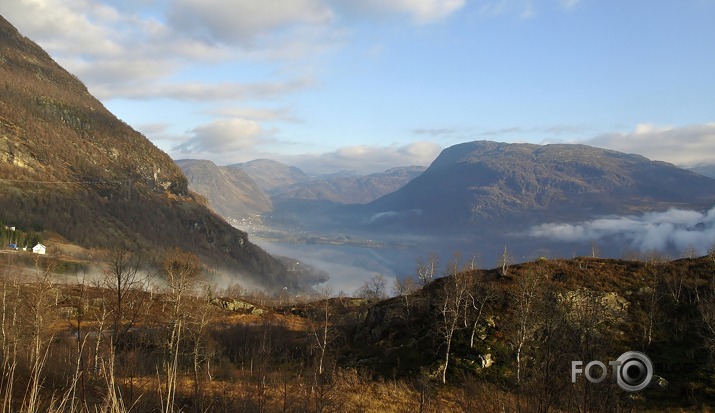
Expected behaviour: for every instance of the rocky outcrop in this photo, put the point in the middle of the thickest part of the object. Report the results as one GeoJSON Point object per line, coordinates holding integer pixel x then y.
{"type": "Point", "coordinates": [238, 306]}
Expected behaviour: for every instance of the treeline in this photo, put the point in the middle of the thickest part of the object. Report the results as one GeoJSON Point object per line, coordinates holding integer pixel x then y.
{"type": "Point", "coordinates": [22, 239]}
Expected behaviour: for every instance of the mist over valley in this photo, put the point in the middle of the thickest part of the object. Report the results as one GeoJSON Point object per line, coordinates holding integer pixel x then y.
{"type": "Point", "coordinates": [476, 200]}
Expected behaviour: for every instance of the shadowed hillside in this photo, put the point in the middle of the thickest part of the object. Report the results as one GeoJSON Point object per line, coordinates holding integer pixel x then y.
{"type": "Point", "coordinates": [69, 165]}
{"type": "Point", "coordinates": [523, 184]}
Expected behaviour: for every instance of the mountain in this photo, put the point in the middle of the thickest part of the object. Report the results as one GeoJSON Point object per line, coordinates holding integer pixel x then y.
{"type": "Point", "coordinates": [515, 184]}
{"type": "Point", "coordinates": [70, 166]}
{"type": "Point", "coordinates": [351, 190]}
{"type": "Point", "coordinates": [705, 170]}
{"type": "Point", "coordinates": [270, 175]}
{"type": "Point", "coordinates": [230, 191]}
{"type": "Point", "coordinates": [284, 182]}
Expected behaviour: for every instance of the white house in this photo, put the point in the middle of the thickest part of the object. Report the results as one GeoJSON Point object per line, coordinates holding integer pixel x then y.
{"type": "Point", "coordinates": [39, 249]}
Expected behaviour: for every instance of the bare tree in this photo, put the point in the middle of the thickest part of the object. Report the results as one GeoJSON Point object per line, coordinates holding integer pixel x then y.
{"type": "Point", "coordinates": [321, 329]}
{"type": "Point", "coordinates": [690, 251]}
{"type": "Point", "coordinates": [124, 280]}
{"type": "Point", "coordinates": [527, 293]}
{"type": "Point", "coordinates": [426, 270]}
{"type": "Point", "coordinates": [201, 314]}
{"type": "Point", "coordinates": [505, 261]}
{"type": "Point", "coordinates": [706, 307]}
{"type": "Point", "coordinates": [10, 331]}
{"type": "Point", "coordinates": [404, 289]}
{"type": "Point", "coordinates": [182, 271]}
{"type": "Point", "coordinates": [374, 289]}
{"type": "Point", "coordinates": [453, 294]}
{"type": "Point", "coordinates": [38, 302]}
{"type": "Point", "coordinates": [478, 298]}
{"type": "Point", "coordinates": [474, 262]}
{"type": "Point", "coordinates": [76, 319]}
{"type": "Point", "coordinates": [653, 296]}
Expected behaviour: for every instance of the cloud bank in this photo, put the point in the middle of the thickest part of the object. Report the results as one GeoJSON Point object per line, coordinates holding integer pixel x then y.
{"type": "Point", "coordinates": [222, 136]}
{"type": "Point", "coordinates": [674, 229]}
{"type": "Point", "coordinates": [686, 146]}
{"type": "Point", "coordinates": [366, 159]}
{"type": "Point", "coordinates": [124, 49]}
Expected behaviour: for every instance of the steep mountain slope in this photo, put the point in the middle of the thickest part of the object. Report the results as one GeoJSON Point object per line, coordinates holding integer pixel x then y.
{"type": "Point", "coordinates": [67, 164]}
{"type": "Point", "coordinates": [270, 175]}
{"type": "Point", "coordinates": [230, 191]}
{"type": "Point", "coordinates": [524, 183]}
{"type": "Point", "coordinates": [352, 190]}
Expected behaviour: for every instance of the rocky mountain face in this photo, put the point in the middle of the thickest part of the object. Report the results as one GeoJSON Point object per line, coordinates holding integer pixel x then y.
{"type": "Point", "coordinates": [69, 165]}
{"type": "Point", "coordinates": [490, 182]}
{"type": "Point", "coordinates": [229, 191]}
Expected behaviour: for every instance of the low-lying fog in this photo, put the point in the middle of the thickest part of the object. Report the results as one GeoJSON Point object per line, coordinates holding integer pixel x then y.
{"type": "Point", "coordinates": [349, 267]}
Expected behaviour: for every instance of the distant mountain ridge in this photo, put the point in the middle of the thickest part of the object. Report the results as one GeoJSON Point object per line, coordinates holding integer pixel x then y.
{"type": "Point", "coordinates": [284, 182]}
{"type": "Point", "coordinates": [69, 165]}
{"type": "Point", "coordinates": [230, 191]}
{"type": "Point", "coordinates": [484, 181]}
{"type": "Point", "coordinates": [270, 175]}
{"type": "Point", "coordinates": [351, 190]}
{"type": "Point", "coordinates": [705, 170]}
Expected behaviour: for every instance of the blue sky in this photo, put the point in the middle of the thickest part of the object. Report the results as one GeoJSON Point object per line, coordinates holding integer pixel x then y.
{"type": "Point", "coordinates": [366, 85]}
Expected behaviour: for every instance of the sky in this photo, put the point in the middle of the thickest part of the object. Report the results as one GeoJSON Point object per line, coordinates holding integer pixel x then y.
{"type": "Point", "coordinates": [366, 85]}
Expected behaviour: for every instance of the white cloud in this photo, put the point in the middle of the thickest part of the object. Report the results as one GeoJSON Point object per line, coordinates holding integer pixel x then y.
{"type": "Point", "coordinates": [435, 132]}
{"type": "Point", "coordinates": [221, 136]}
{"type": "Point", "coordinates": [687, 146]}
{"type": "Point", "coordinates": [127, 52]}
{"type": "Point", "coordinates": [136, 49]}
{"type": "Point", "coordinates": [366, 159]}
{"type": "Point", "coordinates": [194, 91]}
{"type": "Point", "coordinates": [673, 229]}
{"type": "Point", "coordinates": [420, 11]}
{"type": "Point", "coordinates": [523, 8]}
{"type": "Point", "coordinates": [95, 41]}
{"type": "Point", "coordinates": [426, 11]}
{"type": "Point", "coordinates": [569, 4]}
{"type": "Point", "coordinates": [230, 21]}
{"type": "Point", "coordinates": [67, 26]}
{"type": "Point", "coordinates": [259, 114]}
{"type": "Point", "coordinates": [153, 129]}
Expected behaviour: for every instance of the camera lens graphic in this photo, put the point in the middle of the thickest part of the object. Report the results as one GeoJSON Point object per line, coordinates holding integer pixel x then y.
{"type": "Point", "coordinates": [635, 371]}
